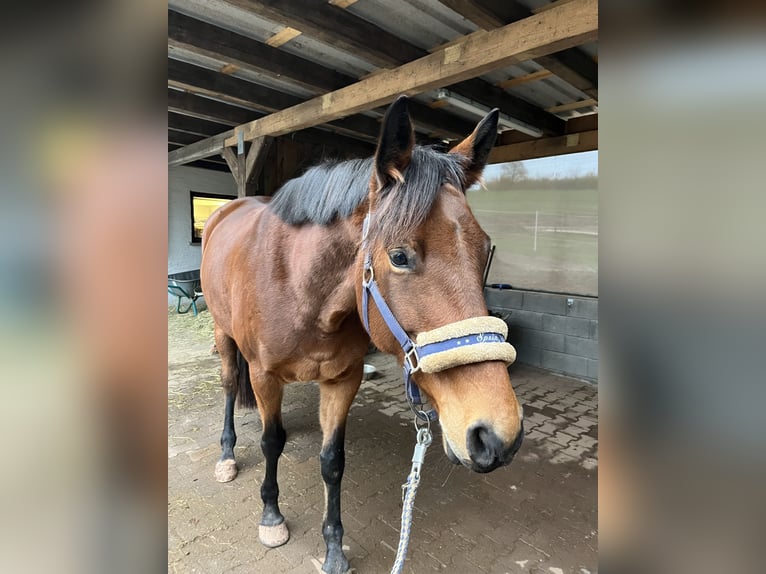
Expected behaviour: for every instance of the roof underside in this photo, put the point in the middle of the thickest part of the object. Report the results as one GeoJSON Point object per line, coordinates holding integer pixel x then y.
{"type": "Point", "coordinates": [234, 61]}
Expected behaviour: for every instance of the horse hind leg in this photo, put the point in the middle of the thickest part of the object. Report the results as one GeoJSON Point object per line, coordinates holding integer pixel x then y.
{"type": "Point", "coordinates": [235, 380]}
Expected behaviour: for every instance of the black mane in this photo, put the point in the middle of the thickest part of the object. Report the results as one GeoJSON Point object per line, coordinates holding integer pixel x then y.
{"type": "Point", "coordinates": [333, 190]}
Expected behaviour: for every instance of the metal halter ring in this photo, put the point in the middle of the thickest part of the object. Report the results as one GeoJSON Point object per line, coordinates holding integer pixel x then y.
{"type": "Point", "coordinates": [365, 280]}
{"type": "Point", "coordinates": [426, 426]}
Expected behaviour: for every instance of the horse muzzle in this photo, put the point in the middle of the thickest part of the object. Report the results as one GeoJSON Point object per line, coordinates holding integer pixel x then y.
{"type": "Point", "coordinates": [485, 449]}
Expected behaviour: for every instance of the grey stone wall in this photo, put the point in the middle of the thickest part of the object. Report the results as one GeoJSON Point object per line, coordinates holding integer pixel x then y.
{"type": "Point", "coordinates": [549, 330]}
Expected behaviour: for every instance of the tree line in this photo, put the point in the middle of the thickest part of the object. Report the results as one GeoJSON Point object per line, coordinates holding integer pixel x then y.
{"type": "Point", "coordinates": [516, 176]}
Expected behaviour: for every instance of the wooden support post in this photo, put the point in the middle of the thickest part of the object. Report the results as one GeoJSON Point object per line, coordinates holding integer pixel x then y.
{"type": "Point", "coordinates": [232, 161]}
{"type": "Point", "coordinates": [246, 167]}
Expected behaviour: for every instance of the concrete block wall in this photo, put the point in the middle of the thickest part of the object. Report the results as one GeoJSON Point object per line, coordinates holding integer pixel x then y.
{"type": "Point", "coordinates": [549, 330]}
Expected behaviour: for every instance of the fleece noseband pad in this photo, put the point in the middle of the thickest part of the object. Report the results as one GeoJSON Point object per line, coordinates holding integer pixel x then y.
{"type": "Point", "coordinates": [473, 340]}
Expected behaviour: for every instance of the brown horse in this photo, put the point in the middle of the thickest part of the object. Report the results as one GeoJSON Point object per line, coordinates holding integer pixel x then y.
{"type": "Point", "coordinates": [283, 282]}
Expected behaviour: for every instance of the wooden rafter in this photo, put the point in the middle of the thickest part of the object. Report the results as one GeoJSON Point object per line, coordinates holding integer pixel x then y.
{"type": "Point", "coordinates": [545, 147]}
{"type": "Point", "coordinates": [346, 31]}
{"type": "Point", "coordinates": [206, 40]}
{"type": "Point", "coordinates": [525, 79]}
{"type": "Point", "coordinates": [572, 106]}
{"type": "Point", "coordinates": [539, 35]}
{"type": "Point", "coordinates": [192, 125]}
{"type": "Point", "coordinates": [571, 65]}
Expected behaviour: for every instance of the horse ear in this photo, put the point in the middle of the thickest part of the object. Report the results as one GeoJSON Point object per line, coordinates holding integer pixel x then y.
{"type": "Point", "coordinates": [477, 146]}
{"type": "Point", "coordinates": [397, 139]}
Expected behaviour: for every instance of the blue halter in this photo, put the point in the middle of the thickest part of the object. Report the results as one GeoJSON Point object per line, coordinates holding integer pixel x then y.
{"type": "Point", "coordinates": [412, 352]}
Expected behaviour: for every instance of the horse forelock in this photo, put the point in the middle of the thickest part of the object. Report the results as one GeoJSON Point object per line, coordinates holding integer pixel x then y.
{"type": "Point", "coordinates": [334, 190]}
{"type": "Point", "coordinates": [405, 205]}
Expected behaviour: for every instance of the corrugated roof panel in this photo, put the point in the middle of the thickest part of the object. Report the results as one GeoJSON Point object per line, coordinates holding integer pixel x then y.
{"type": "Point", "coordinates": [328, 56]}
{"type": "Point", "coordinates": [421, 23]}
{"type": "Point", "coordinates": [227, 16]}
{"type": "Point", "coordinates": [253, 26]}
{"type": "Point", "coordinates": [263, 79]}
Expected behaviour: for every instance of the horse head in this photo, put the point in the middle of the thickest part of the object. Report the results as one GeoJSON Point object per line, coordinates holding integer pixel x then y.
{"type": "Point", "coordinates": [427, 253]}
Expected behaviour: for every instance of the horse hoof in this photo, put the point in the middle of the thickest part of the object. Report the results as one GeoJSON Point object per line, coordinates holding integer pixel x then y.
{"type": "Point", "coordinates": [273, 536]}
{"type": "Point", "coordinates": [225, 470]}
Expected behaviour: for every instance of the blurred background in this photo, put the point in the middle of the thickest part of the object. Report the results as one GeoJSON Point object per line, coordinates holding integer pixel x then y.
{"type": "Point", "coordinates": [83, 251]}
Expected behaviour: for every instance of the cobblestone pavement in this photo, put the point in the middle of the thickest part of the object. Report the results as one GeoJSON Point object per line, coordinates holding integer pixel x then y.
{"type": "Point", "coordinates": [537, 515]}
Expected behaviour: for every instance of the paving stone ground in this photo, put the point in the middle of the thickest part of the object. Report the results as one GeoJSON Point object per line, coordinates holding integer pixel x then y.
{"type": "Point", "coordinates": [537, 515]}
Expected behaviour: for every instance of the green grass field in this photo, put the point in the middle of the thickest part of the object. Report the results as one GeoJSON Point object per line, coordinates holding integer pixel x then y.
{"type": "Point", "coordinates": [566, 254]}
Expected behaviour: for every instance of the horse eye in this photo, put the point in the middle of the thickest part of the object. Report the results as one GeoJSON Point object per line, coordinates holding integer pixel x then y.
{"type": "Point", "coordinates": [398, 258]}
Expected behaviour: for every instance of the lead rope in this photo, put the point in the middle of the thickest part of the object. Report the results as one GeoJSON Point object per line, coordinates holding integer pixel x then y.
{"type": "Point", "coordinates": [409, 490]}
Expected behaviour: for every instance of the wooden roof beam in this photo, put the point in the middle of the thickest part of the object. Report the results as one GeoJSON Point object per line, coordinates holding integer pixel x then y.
{"type": "Point", "coordinates": [188, 104]}
{"type": "Point", "coordinates": [245, 53]}
{"type": "Point", "coordinates": [208, 40]}
{"type": "Point", "coordinates": [204, 82]}
{"type": "Point", "coordinates": [545, 147]}
{"type": "Point", "coordinates": [346, 31]}
{"type": "Point", "coordinates": [556, 29]}
{"type": "Point", "coordinates": [195, 126]}
{"type": "Point", "coordinates": [571, 65]}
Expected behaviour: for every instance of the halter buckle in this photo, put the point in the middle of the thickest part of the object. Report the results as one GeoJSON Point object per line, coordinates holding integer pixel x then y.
{"type": "Point", "coordinates": [408, 355]}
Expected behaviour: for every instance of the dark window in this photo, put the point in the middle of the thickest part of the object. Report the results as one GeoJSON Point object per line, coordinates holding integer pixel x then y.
{"type": "Point", "coordinates": [202, 206]}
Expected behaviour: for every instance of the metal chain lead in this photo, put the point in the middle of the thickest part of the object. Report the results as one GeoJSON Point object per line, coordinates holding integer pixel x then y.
{"type": "Point", "coordinates": [409, 489]}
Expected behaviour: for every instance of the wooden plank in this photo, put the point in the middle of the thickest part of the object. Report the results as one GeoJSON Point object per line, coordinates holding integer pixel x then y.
{"type": "Point", "coordinates": [226, 88]}
{"type": "Point", "coordinates": [517, 108]}
{"type": "Point", "coordinates": [202, 81]}
{"type": "Point", "coordinates": [200, 150]}
{"type": "Point", "coordinates": [575, 67]}
{"type": "Point", "coordinates": [300, 74]}
{"type": "Point", "coordinates": [342, 3]}
{"type": "Point", "coordinates": [573, 125]}
{"type": "Point", "coordinates": [247, 54]}
{"type": "Point", "coordinates": [436, 104]}
{"type": "Point", "coordinates": [525, 79]}
{"type": "Point", "coordinates": [338, 28]}
{"type": "Point", "coordinates": [556, 29]}
{"type": "Point", "coordinates": [572, 106]}
{"type": "Point", "coordinates": [570, 65]}
{"type": "Point", "coordinates": [282, 37]}
{"type": "Point", "coordinates": [348, 32]}
{"type": "Point", "coordinates": [231, 160]}
{"type": "Point", "coordinates": [570, 25]}
{"type": "Point", "coordinates": [207, 109]}
{"type": "Point", "coordinates": [545, 147]}
{"type": "Point", "coordinates": [457, 40]}
{"type": "Point", "coordinates": [182, 138]}
{"type": "Point", "coordinates": [582, 124]}
{"type": "Point", "coordinates": [193, 125]}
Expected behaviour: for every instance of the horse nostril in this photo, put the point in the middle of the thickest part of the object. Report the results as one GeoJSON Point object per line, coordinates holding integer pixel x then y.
{"type": "Point", "coordinates": [484, 447]}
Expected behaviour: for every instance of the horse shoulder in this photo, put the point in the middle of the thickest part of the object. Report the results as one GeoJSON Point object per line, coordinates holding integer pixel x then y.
{"type": "Point", "coordinates": [339, 305]}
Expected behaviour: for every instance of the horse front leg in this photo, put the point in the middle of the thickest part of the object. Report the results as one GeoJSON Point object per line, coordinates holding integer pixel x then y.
{"type": "Point", "coordinates": [336, 398]}
{"type": "Point", "coordinates": [272, 530]}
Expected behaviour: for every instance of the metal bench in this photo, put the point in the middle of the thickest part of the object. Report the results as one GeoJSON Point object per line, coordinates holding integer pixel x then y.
{"type": "Point", "coordinates": [185, 285]}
